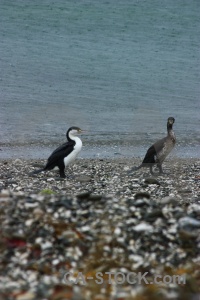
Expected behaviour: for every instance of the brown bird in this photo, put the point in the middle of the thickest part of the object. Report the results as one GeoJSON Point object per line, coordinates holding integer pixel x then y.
{"type": "Point", "coordinates": [157, 153]}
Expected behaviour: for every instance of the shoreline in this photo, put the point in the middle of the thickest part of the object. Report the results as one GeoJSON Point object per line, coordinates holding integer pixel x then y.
{"type": "Point", "coordinates": [95, 151]}
{"type": "Point", "coordinates": [134, 160]}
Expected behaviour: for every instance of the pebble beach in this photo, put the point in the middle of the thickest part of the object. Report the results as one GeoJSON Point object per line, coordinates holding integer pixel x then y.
{"type": "Point", "coordinates": [99, 219]}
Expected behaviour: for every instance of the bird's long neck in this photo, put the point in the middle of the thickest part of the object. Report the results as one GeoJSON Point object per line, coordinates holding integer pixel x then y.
{"type": "Point", "coordinates": [171, 132]}
{"type": "Point", "coordinates": [72, 137]}
{"type": "Point", "coordinates": [169, 127]}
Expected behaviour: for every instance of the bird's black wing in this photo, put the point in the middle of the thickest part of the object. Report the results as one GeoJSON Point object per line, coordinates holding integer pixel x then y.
{"type": "Point", "coordinates": [150, 156]}
{"type": "Point", "coordinates": [59, 154]}
{"type": "Point", "coordinates": [152, 152]}
{"type": "Point", "coordinates": [62, 147]}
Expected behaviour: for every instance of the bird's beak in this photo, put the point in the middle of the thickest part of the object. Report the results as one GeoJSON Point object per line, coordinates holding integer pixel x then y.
{"type": "Point", "coordinates": [82, 131]}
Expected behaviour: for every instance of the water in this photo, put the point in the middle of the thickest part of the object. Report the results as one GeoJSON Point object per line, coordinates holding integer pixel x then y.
{"type": "Point", "coordinates": [116, 68]}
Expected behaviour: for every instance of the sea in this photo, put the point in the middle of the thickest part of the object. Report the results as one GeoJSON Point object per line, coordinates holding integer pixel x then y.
{"type": "Point", "coordinates": [115, 68]}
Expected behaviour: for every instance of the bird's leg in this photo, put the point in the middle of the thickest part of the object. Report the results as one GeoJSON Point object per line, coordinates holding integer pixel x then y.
{"type": "Point", "coordinates": [160, 169]}
{"type": "Point", "coordinates": [62, 172]}
{"type": "Point", "coordinates": [151, 169]}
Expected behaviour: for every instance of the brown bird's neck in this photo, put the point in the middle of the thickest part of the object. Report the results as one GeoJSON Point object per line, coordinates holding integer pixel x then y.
{"type": "Point", "coordinates": [169, 126]}
{"type": "Point", "coordinates": [170, 132]}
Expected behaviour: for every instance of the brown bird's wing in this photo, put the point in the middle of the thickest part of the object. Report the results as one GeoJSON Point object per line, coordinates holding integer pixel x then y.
{"type": "Point", "coordinates": [153, 151]}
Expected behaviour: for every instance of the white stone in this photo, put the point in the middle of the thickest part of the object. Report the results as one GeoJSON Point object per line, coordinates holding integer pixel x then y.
{"type": "Point", "coordinates": [143, 227]}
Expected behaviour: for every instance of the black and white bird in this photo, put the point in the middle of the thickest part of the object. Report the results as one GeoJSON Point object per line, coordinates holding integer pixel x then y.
{"type": "Point", "coordinates": [64, 155]}
{"type": "Point", "coordinates": [157, 153]}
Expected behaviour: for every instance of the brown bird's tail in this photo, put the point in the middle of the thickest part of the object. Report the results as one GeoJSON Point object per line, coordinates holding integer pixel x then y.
{"type": "Point", "coordinates": [135, 169]}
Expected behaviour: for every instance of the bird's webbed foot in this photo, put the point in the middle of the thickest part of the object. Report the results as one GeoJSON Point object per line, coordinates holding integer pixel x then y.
{"type": "Point", "coordinates": [63, 176]}
{"type": "Point", "coordinates": [160, 170]}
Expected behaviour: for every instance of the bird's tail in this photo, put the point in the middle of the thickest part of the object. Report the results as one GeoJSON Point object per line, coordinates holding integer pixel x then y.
{"type": "Point", "coordinates": [36, 172]}
{"type": "Point", "coordinates": [135, 169]}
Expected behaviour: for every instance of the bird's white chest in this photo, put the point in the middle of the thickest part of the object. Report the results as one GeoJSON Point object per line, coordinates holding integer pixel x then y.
{"type": "Point", "coordinates": [72, 156]}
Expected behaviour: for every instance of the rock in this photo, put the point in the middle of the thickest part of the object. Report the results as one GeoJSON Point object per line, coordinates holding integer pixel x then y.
{"type": "Point", "coordinates": [95, 197]}
{"type": "Point", "coordinates": [85, 228]}
{"type": "Point", "coordinates": [38, 213]}
{"type": "Point", "coordinates": [12, 182]}
{"type": "Point", "coordinates": [83, 195]}
{"type": "Point", "coordinates": [17, 161]}
{"type": "Point", "coordinates": [185, 191]}
{"type": "Point", "coordinates": [143, 227]}
{"type": "Point", "coordinates": [70, 235]}
{"type": "Point", "coordinates": [141, 195]}
{"type": "Point", "coordinates": [37, 165]}
{"type": "Point", "coordinates": [137, 261]}
{"type": "Point", "coordinates": [189, 222]}
{"type": "Point", "coordinates": [83, 178]}
{"type": "Point", "coordinates": [126, 168]}
{"type": "Point", "coordinates": [26, 296]}
{"type": "Point", "coordinates": [4, 193]}
{"type": "Point", "coordinates": [31, 205]}
{"type": "Point", "coordinates": [188, 227]}
{"type": "Point", "coordinates": [117, 231]}
{"type": "Point", "coordinates": [29, 222]}
{"type": "Point", "coordinates": [18, 188]}
{"type": "Point", "coordinates": [169, 200]}
{"type": "Point", "coordinates": [151, 180]}
{"type": "Point", "coordinates": [46, 245]}
{"type": "Point", "coordinates": [50, 179]}
{"type": "Point", "coordinates": [59, 179]}
{"type": "Point", "coordinates": [141, 202]}
{"type": "Point", "coordinates": [153, 215]}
